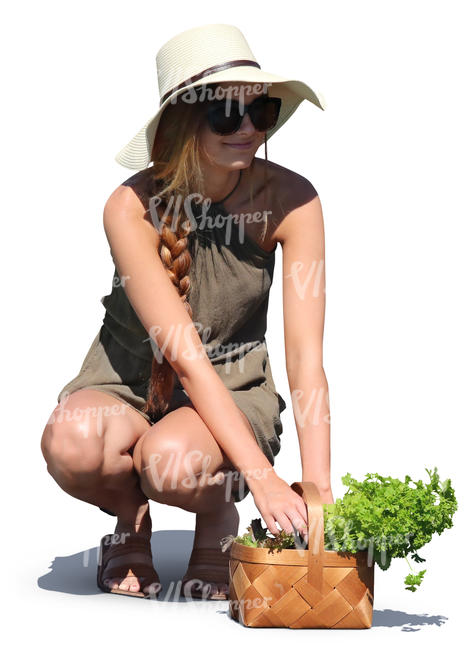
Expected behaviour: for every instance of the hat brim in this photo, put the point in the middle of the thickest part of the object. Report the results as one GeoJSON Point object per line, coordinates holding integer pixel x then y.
{"type": "Point", "coordinates": [137, 153]}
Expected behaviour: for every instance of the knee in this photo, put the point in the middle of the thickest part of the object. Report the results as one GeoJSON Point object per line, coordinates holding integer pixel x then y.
{"type": "Point", "coordinates": [169, 469]}
{"type": "Point", "coordinates": [72, 448]}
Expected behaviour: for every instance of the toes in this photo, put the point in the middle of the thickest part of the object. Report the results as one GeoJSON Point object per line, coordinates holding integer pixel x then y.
{"type": "Point", "coordinates": [220, 588]}
{"type": "Point", "coordinates": [126, 584]}
{"type": "Point", "coordinates": [207, 589]}
{"type": "Point", "coordinates": [215, 588]}
{"type": "Point", "coordinates": [130, 584]}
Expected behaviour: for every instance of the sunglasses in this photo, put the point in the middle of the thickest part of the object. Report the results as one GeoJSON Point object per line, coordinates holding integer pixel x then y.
{"type": "Point", "coordinates": [224, 116]}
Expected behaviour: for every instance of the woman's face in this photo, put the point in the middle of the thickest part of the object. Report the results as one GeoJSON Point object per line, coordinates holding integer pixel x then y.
{"type": "Point", "coordinates": [220, 150]}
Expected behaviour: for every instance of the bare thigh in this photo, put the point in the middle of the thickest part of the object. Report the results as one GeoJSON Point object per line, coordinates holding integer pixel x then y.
{"type": "Point", "coordinates": [178, 447]}
{"type": "Point", "coordinates": [91, 432]}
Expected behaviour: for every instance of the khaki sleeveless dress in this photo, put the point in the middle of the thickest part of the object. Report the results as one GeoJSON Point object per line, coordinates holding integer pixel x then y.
{"type": "Point", "coordinates": [230, 276]}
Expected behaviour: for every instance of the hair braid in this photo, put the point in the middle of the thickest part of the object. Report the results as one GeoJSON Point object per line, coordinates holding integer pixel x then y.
{"type": "Point", "coordinates": [176, 174]}
{"type": "Point", "coordinates": [176, 258]}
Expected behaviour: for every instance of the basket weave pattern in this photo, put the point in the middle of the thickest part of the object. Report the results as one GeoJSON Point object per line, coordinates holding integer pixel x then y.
{"type": "Point", "coordinates": [298, 588]}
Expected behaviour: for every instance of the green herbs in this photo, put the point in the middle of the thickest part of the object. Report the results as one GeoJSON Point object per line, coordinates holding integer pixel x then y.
{"type": "Point", "coordinates": [389, 518]}
{"type": "Point", "coordinates": [257, 537]}
{"type": "Point", "coordinates": [384, 516]}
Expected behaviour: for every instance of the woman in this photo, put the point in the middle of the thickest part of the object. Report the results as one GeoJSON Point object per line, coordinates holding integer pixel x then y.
{"type": "Point", "coordinates": [175, 400]}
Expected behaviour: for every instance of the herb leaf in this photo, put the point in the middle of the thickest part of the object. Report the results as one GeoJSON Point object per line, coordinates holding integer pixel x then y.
{"type": "Point", "coordinates": [383, 515]}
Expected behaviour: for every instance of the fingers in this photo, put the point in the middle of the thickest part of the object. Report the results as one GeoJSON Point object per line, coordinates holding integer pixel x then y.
{"type": "Point", "coordinates": [291, 524]}
{"type": "Point", "coordinates": [281, 505]}
{"type": "Point", "coordinates": [270, 523]}
{"type": "Point", "coordinates": [300, 527]}
{"type": "Point", "coordinates": [292, 521]}
{"type": "Point", "coordinates": [285, 523]}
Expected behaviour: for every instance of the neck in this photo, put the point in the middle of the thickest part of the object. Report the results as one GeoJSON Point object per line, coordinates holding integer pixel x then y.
{"type": "Point", "coordinates": [219, 182]}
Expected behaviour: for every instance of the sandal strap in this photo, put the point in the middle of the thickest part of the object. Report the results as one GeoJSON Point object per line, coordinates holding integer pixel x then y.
{"type": "Point", "coordinates": [212, 556]}
{"type": "Point", "coordinates": [207, 574]}
{"type": "Point", "coordinates": [208, 565]}
{"type": "Point", "coordinates": [135, 545]}
{"type": "Point", "coordinates": [140, 569]}
{"type": "Point", "coordinates": [126, 540]}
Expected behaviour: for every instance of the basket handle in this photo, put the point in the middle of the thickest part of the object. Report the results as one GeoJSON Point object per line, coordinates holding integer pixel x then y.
{"type": "Point", "coordinates": [310, 494]}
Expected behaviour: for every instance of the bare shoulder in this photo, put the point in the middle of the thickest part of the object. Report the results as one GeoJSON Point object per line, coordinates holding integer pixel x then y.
{"type": "Point", "coordinates": [128, 203]}
{"type": "Point", "coordinates": [290, 191]}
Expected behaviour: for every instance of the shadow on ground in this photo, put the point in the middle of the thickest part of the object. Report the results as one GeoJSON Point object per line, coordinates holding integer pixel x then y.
{"type": "Point", "coordinates": [76, 574]}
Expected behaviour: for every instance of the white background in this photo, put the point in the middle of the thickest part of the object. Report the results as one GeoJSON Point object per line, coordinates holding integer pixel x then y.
{"type": "Point", "coordinates": [392, 160]}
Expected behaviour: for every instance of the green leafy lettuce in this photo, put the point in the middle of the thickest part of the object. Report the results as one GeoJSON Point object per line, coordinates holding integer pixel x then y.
{"type": "Point", "coordinates": [387, 517]}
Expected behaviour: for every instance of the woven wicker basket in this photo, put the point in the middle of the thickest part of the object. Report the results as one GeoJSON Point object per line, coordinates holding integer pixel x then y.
{"type": "Point", "coordinates": [299, 588]}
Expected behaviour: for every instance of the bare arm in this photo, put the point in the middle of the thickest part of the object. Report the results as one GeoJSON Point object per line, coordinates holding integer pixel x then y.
{"type": "Point", "coordinates": [303, 265]}
{"type": "Point", "coordinates": [134, 243]}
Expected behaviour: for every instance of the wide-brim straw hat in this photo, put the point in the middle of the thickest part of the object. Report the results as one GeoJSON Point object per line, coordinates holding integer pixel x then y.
{"type": "Point", "coordinates": [207, 55]}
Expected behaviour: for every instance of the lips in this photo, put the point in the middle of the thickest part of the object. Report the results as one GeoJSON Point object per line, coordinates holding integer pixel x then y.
{"type": "Point", "coordinates": [239, 145]}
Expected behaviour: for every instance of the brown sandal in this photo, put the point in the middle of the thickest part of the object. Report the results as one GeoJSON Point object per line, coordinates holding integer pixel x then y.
{"type": "Point", "coordinates": [206, 565]}
{"type": "Point", "coordinates": [109, 549]}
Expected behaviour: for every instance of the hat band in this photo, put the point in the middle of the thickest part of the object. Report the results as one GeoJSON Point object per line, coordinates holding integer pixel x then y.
{"type": "Point", "coordinates": [208, 71]}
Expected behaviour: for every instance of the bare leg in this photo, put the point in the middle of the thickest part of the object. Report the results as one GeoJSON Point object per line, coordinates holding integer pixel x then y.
{"type": "Point", "coordinates": [177, 449]}
{"type": "Point", "coordinates": [86, 445]}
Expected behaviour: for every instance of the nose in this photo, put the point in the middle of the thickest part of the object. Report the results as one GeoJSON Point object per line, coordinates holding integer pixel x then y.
{"type": "Point", "coordinates": [247, 127]}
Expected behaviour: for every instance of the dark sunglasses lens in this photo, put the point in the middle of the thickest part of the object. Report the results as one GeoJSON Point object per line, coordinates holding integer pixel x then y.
{"type": "Point", "coordinates": [225, 119]}
{"type": "Point", "coordinates": [221, 122]}
{"type": "Point", "coordinates": [265, 113]}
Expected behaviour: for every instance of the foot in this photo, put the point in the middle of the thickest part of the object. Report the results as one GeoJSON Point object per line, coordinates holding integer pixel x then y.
{"type": "Point", "coordinates": [210, 575]}
{"type": "Point", "coordinates": [131, 570]}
